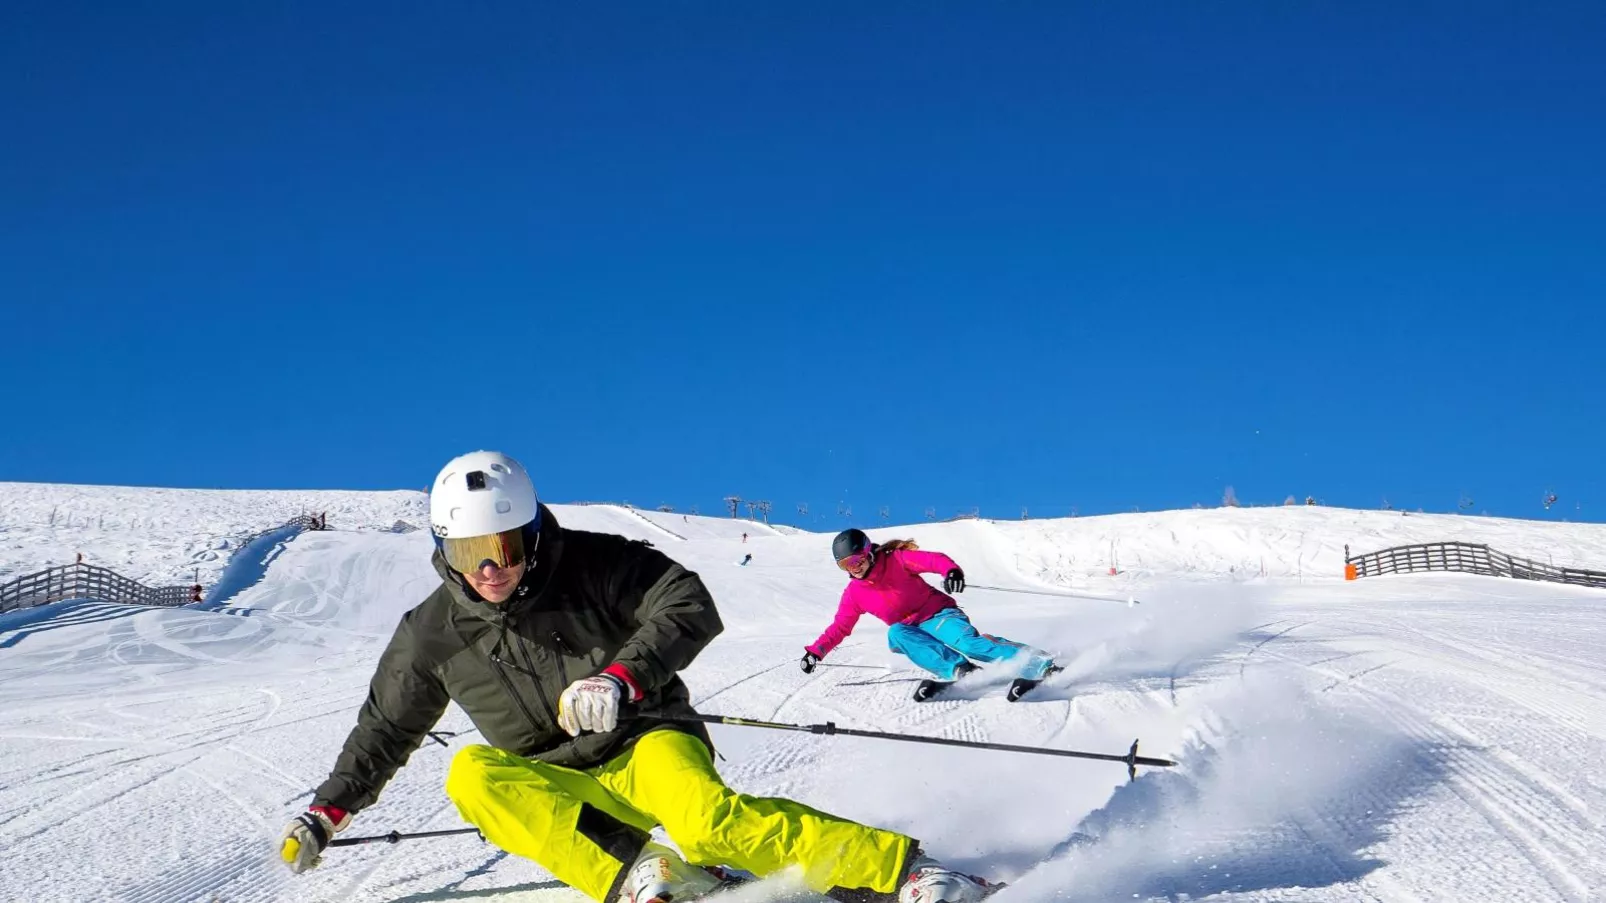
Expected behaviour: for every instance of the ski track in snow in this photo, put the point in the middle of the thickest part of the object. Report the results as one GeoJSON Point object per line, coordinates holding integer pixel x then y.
{"type": "Point", "coordinates": [1424, 738]}
{"type": "Point", "coordinates": [1515, 785]}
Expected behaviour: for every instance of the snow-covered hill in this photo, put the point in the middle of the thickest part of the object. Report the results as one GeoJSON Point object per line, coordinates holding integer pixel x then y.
{"type": "Point", "coordinates": [1430, 737]}
{"type": "Point", "coordinates": [1291, 542]}
{"type": "Point", "coordinates": [164, 536]}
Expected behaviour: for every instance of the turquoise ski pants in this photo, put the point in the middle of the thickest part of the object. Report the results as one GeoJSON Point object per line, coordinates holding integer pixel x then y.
{"type": "Point", "coordinates": [941, 643]}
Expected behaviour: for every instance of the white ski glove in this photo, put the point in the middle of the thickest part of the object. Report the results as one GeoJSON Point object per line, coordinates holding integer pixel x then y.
{"type": "Point", "coordinates": [591, 704]}
{"type": "Point", "coordinates": [305, 837]}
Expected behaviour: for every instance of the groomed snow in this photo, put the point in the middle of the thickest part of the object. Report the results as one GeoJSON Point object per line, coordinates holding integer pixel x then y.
{"type": "Point", "coordinates": [1428, 737]}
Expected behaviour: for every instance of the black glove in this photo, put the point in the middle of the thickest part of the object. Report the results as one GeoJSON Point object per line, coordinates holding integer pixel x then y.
{"type": "Point", "coordinates": [954, 582]}
{"type": "Point", "coordinates": [809, 661]}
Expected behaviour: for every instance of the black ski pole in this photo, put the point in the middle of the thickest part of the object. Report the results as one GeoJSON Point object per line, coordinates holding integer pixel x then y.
{"type": "Point", "coordinates": [441, 736]}
{"type": "Point", "coordinates": [397, 837]}
{"type": "Point", "coordinates": [1131, 759]}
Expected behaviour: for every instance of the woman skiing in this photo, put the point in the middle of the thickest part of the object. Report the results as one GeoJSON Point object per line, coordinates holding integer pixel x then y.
{"type": "Point", "coordinates": [923, 623]}
{"type": "Point", "coordinates": [540, 633]}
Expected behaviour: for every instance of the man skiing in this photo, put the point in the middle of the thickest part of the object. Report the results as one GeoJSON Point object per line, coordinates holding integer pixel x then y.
{"type": "Point", "coordinates": [923, 622]}
{"type": "Point", "coordinates": [539, 633]}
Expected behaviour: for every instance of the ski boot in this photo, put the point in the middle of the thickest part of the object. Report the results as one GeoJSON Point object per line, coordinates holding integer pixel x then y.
{"type": "Point", "coordinates": [659, 875]}
{"type": "Point", "coordinates": [930, 881]}
{"type": "Point", "coordinates": [929, 688]}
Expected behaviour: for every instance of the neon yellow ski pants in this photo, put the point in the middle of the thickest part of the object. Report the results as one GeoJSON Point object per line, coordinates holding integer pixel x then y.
{"type": "Point", "coordinates": [574, 823]}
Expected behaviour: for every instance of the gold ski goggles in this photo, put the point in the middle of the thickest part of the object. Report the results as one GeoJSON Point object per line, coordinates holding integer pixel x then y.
{"type": "Point", "coordinates": [506, 549]}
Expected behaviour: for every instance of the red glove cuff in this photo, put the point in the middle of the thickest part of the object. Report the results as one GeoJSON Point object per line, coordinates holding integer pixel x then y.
{"type": "Point", "coordinates": [624, 676]}
{"type": "Point", "coordinates": [336, 815]}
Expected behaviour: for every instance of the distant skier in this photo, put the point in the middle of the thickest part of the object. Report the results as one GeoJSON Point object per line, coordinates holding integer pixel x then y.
{"type": "Point", "coordinates": [923, 623]}
{"type": "Point", "coordinates": [539, 633]}
{"type": "Point", "coordinates": [744, 537]}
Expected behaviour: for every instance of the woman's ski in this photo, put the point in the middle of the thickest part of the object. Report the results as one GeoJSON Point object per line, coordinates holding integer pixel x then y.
{"type": "Point", "coordinates": [931, 688]}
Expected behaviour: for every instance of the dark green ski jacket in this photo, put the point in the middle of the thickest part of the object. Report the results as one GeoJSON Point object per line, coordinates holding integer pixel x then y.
{"type": "Point", "coordinates": [591, 600]}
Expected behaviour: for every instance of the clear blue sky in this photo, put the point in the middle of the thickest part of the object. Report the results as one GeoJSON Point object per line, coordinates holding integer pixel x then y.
{"type": "Point", "coordinates": [921, 254]}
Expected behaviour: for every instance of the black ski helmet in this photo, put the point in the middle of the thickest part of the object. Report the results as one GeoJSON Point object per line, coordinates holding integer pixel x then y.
{"type": "Point", "coordinates": [849, 542]}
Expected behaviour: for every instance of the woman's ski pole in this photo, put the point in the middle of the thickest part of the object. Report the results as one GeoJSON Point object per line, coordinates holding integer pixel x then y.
{"type": "Point", "coordinates": [1128, 601]}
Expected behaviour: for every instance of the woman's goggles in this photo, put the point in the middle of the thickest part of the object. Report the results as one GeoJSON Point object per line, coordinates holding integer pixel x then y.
{"type": "Point", "coordinates": [467, 554]}
{"type": "Point", "coordinates": [855, 561]}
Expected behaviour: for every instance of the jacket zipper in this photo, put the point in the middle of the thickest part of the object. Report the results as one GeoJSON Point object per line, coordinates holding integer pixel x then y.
{"type": "Point", "coordinates": [507, 684]}
{"type": "Point", "coordinates": [563, 649]}
{"type": "Point", "coordinates": [535, 680]}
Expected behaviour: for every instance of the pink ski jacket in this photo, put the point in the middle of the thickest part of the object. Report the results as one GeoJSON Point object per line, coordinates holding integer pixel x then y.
{"type": "Point", "coordinates": [892, 591]}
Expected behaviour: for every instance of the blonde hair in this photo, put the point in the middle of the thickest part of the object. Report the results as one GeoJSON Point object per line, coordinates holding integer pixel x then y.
{"type": "Point", "coordinates": [897, 545]}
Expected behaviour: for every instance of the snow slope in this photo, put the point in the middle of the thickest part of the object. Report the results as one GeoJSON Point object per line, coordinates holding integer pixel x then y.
{"type": "Point", "coordinates": [163, 536]}
{"type": "Point", "coordinates": [1282, 542]}
{"type": "Point", "coordinates": [1430, 737]}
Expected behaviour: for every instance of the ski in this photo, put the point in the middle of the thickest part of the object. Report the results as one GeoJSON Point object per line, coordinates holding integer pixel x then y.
{"type": "Point", "coordinates": [930, 689]}
{"type": "Point", "coordinates": [1020, 686]}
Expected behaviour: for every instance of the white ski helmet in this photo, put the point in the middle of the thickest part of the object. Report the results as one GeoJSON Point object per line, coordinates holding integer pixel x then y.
{"type": "Point", "coordinates": [481, 494]}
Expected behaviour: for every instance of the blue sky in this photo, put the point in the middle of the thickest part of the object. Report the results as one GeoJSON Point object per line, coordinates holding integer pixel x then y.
{"type": "Point", "coordinates": [1051, 255]}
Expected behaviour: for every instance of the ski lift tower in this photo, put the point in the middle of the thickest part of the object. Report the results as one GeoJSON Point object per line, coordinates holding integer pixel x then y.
{"type": "Point", "coordinates": [733, 502]}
